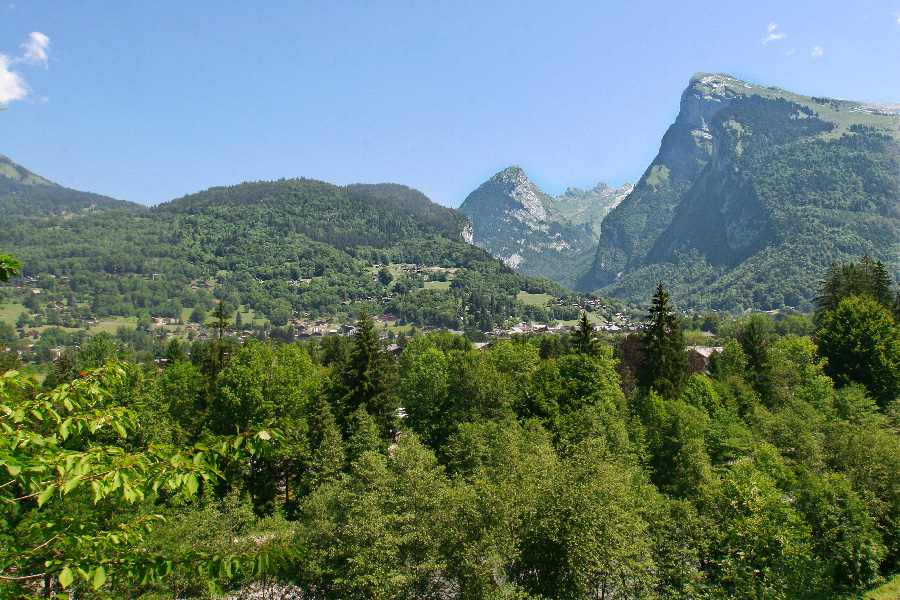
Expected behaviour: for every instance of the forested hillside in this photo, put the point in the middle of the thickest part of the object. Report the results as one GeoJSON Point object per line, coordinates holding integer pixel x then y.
{"type": "Point", "coordinates": [546, 467]}
{"type": "Point", "coordinates": [754, 192]}
{"type": "Point", "coordinates": [283, 249]}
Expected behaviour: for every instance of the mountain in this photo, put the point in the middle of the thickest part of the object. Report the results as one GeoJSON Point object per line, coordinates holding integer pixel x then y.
{"type": "Point", "coordinates": [753, 193]}
{"type": "Point", "coordinates": [22, 193]}
{"type": "Point", "coordinates": [534, 232]}
{"type": "Point", "coordinates": [587, 208]}
{"type": "Point", "coordinates": [280, 248]}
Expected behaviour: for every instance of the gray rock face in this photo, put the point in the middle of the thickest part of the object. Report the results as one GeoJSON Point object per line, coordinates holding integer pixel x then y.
{"type": "Point", "coordinates": [636, 233]}
{"type": "Point", "coordinates": [525, 228]}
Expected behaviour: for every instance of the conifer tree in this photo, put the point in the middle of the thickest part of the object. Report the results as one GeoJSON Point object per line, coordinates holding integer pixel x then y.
{"type": "Point", "coordinates": [175, 352]}
{"type": "Point", "coordinates": [366, 375]}
{"type": "Point", "coordinates": [221, 319]}
{"type": "Point", "coordinates": [327, 457]}
{"type": "Point", "coordinates": [664, 366]}
{"type": "Point", "coordinates": [759, 367]}
{"type": "Point", "coordinates": [583, 340]}
{"type": "Point", "coordinates": [868, 278]}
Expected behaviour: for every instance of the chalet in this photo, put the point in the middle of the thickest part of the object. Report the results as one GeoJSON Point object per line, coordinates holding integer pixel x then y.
{"type": "Point", "coordinates": [705, 352]}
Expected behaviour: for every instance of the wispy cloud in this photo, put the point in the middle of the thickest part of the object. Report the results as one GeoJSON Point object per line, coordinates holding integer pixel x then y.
{"type": "Point", "coordinates": [37, 49]}
{"type": "Point", "coordinates": [791, 51]}
{"type": "Point", "coordinates": [36, 52]}
{"type": "Point", "coordinates": [772, 34]}
{"type": "Point", "coordinates": [817, 51]}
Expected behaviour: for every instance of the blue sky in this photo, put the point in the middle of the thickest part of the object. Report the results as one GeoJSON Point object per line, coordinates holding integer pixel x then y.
{"type": "Point", "coordinates": [149, 101]}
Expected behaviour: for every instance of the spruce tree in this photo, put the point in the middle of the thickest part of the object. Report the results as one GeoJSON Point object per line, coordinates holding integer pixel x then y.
{"type": "Point", "coordinates": [759, 367]}
{"type": "Point", "coordinates": [583, 339]}
{"type": "Point", "coordinates": [664, 366]}
{"type": "Point", "coordinates": [175, 352]}
{"type": "Point", "coordinates": [868, 278]}
{"type": "Point", "coordinates": [366, 376]}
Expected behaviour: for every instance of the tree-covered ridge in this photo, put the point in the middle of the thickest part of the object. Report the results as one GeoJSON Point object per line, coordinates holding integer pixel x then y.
{"type": "Point", "coordinates": [281, 249]}
{"type": "Point", "coordinates": [354, 216]}
{"type": "Point", "coordinates": [22, 193]}
{"type": "Point", "coordinates": [755, 192]}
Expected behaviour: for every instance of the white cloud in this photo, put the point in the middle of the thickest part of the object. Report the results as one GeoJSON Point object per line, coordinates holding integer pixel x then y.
{"type": "Point", "coordinates": [791, 51]}
{"type": "Point", "coordinates": [817, 51]}
{"type": "Point", "coordinates": [12, 84]}
{"type": "Point", "coordinates": [36, 49]}
{"type": "Point", "coordinates": [772, 35]}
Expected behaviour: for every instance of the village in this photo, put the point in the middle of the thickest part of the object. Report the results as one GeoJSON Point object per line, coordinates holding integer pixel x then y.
{"type": "Point", "coordinates": [300, 327]}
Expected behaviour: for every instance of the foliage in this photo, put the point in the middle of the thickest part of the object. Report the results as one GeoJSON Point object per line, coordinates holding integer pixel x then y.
{"type": "Point", "coordinates": [527, 468]}
{"type": "Point", "coordinates": [868, 278]}
{"type": "Point", "coordinates": [52, 458]}
{"type": "Point", "coordinates": [9, 266]}
{"type": "Point", "coordinates": [862, 345]}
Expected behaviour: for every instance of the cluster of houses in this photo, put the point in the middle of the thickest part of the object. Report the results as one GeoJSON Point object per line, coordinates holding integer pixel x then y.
{"type": "Point", "coordinates": [621, 324]}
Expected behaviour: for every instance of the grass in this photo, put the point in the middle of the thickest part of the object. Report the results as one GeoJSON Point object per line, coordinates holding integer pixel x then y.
{"type": "Point", "coordinates": [889, 591]}
{"type": "Point", "coordinates": [535, 299]}
{"type": "Point", "coordinates": [248, 317]}
{"type": "Point", "coordinates": [437, 285]}
{"type": "Point", "coordinates": [10, 312]}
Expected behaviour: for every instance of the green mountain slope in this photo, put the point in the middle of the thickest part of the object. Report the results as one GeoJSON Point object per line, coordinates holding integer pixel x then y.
{"type": "Point", "coordinates": [285, 247]}
{"type": "Point", "coordinates": [534, 232]}
{"type": "Point", "coordinates": [753, 193]}
{"type": "Point", "coordinates": [22, 193]}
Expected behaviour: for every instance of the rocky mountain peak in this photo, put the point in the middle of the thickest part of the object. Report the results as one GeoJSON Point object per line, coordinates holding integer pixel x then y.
{"type": "Point", "coordinates": [511, 191]}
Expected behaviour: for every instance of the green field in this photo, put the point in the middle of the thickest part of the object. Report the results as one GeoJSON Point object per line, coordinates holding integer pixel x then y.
{"type": "Point", "coordinates": [437, 285]}
{"type": "Point", "coordinates": [889, 591]}
{"type": "Point", "coordinates": [535, 299]}
{"type": "Point", "coordinates": [10, 312]}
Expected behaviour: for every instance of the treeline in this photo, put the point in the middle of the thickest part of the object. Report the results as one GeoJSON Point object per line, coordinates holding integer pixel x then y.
{"type": "Point", "coordinates": [545, 467]}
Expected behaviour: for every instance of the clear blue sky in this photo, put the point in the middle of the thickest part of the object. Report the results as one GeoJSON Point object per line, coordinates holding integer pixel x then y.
{"type": "Point", "coordinates": [148, 101]}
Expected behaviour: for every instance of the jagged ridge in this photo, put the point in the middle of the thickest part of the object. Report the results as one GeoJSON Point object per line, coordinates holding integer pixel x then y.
{"type": "Point", "coordinates": [534, 232]}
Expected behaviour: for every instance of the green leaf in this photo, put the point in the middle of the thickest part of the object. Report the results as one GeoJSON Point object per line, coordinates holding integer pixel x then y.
{"type": "Point", "coordinates": [66, 577]}
{"type": "Point", "coordinates": [264, 435]}
{"type": "Point", "coordinates": [119, 429]}
{"type": "Point", "coordinates": [72, 484]}
{"type": "Point", "coordinates": [45, 495]}
{"type": "Point", "coordinates": [99, 577]}
{"type": "Point", "coordinates": [192, 484]}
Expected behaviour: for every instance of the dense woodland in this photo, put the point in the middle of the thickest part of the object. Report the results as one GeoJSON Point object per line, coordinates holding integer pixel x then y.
{"type": "Point", "coordinates": [545, 467]}
{"type": "Point", "coordinates": [280, 249]}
